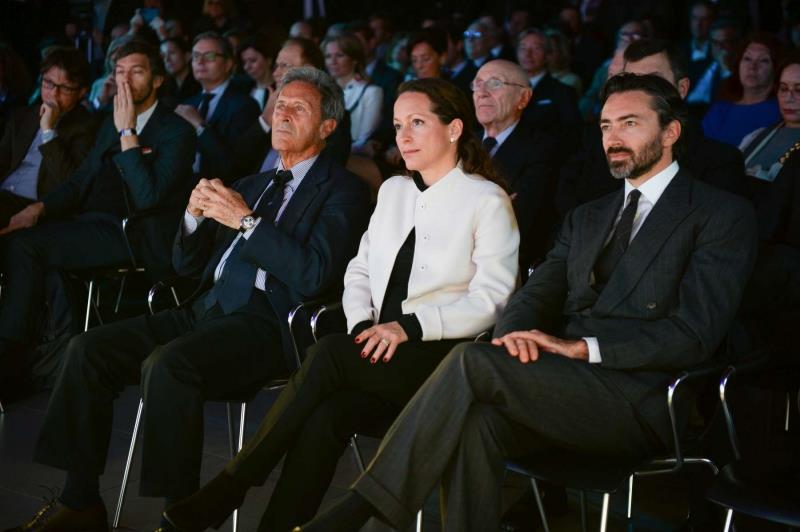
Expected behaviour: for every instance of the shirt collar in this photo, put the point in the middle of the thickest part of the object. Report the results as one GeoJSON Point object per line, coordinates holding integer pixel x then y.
{"type": "Point", "coordinates": [534, 80]}
{"type": "Point", "coordinates": [143, 117]}
{"type": "Point", "coordinates": [299, 170]}
{"type": "Point", "coordinates": [655, 186]}
{"type": "Point", "coordinates": [219, 89]}
{"type": "Point", "coordinates": [503, 135]}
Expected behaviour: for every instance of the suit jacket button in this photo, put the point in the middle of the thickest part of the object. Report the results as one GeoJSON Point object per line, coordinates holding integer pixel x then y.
{"type": "Point", "coordinates": [651, 305]}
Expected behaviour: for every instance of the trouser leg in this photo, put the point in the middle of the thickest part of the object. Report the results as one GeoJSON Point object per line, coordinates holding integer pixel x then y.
{"type": "Point", "coordinates": [310, 463]}
{"type": "Point", "coordinates": [224, 357]}
{"type": "Point", "coordinates": [567, 403]}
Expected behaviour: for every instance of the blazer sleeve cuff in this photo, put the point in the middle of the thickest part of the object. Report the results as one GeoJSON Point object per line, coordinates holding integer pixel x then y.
{"type": "Point", "coordinates": [361, 327]}
{"type": "Point", "coordinates": [411, 326]}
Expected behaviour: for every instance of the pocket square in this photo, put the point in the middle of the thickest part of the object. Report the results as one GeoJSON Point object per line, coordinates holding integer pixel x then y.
{"type": "Point", "coordinates": [146, 150]}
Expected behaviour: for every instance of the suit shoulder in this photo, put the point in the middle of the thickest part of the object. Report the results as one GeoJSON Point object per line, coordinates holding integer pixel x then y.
{"type": "Point", "coordinates": [345, 178]}
{"type": "Point", "coordinates": [176, 125]}
{"type": "Point", "coordinates": [718, 200]}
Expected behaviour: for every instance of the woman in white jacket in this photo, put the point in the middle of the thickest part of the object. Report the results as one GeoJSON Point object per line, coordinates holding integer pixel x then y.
{"type": "Point", "coordinates": [435, 267]}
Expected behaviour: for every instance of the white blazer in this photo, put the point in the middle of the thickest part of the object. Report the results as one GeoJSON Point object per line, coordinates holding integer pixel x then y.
{"type": "Point", "coordinates": [465, 255]}
{"type": "Point", "coordinates": [366, 115]}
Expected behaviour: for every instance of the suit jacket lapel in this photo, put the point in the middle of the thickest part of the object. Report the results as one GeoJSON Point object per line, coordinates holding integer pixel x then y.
{"type": "Point", "coordinates": [596, 227]}
{"type": "Point", "coordinates": [673, 206]}
{"type": "Point", "coordinates": [28, 127]}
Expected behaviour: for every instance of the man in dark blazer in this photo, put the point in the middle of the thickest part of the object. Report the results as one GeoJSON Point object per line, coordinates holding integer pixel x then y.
{"type": "Point", "coordinates": [638, 286]}
{"type": "Point", "coordinates": [221, 112]}
{"type": "Point", "coordinates": [43, 144]}
{"type": "Point", "coordinates": [275, 238]}
{"type": "Point", "coordinates": [141, 161]}
{"type": "Point", "coordinates": [586, 177]}
{"type": "Point", "coordinates": [526, 160]}
{"type": "Point", "coordinates": [553, 108]}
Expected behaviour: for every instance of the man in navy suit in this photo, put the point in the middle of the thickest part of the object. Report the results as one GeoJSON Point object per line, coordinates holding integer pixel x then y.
{"type": "Point", "coordinates": [275, 238]}
{"type": "Point", "coordinates": [221, 112]}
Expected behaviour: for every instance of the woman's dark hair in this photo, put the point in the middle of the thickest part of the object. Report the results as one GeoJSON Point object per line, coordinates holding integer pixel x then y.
{"type": "Point", "coordinates": [448, 102]}
{"type": "Point", "coordinates": [180, 42]}
{"type": "Point", "coordinates": [434, 36]}
{"type": "Point", "coordinates": [71, 61]}
{"type": "Point", "coordinates": [312, 55]}
{"type": "Point", "coordinates": [732, 87]}
{"type": "Point", "coordinates": [261, 44]}
{"type": "Point", "coordinates": [664, 100]}
{"type": "Point", "coordinates": [792, 58]}
{"type": "Point", "coordinates": [136, 46]}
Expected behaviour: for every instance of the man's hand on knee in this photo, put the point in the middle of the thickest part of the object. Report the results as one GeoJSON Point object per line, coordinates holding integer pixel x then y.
{"type": "Point", "coordinates": [25, 218]}
{"type": "Point", "coordinates": [526, 345]}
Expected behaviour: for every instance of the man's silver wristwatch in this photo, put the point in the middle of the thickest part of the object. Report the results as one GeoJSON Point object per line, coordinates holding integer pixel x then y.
{"type": "Point", "coordinates": [127, 132]}
{"type": "Point", "coordinates": [247, 223]}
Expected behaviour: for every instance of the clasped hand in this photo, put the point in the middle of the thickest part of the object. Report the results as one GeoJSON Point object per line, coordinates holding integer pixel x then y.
{"type": "Point", "coordinates": [382, 341]}
{"type": "Point", "coordinates": [212, 199]}
{"type": "Point", "coordinates": [526, 345]}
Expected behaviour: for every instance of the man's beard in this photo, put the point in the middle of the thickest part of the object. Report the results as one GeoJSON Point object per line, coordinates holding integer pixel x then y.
{"type": "Point", "coordinates": [143, 98]}
{"type": "Point", "coordinates": [639, 163]}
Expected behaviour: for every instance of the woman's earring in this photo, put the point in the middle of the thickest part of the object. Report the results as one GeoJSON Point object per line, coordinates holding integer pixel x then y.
{"type": "Point", "coordinates": [452, 140]}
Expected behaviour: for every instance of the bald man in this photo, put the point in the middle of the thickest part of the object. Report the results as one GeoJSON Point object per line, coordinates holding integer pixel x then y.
{"type": "Point", "coordinates": [526, 159]}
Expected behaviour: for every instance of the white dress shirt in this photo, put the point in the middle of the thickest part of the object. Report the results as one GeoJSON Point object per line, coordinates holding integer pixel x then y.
{"type": "Point", "coordinates": [501, 137]}
{"type": "Point", "coordinates": [651, 190]}
{"type": "Point", "coordinates": [299, 171]}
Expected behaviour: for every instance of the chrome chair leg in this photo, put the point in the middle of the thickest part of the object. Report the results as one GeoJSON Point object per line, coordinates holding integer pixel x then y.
{"type": "Point", "coordinates": [240, 444]}
{"type": "Point", "coordinates": [2, 410]}
{"type": "Point", "coordinates": [604, 512]}
{"type": "Point", "coordinates": [539, 504]}
{"type": "Point", "coordinates": [231, 437]}
{"type": "Point", "coordinates": [119, 293]}
{"type": "Point", "coordinates": [582, 499]}
{"type": "Point", "coordinates": [630, 496]}
{"type": "Point", "coordinates": [728, 520]}
{"type": "Point", "coordinates": [123, 488]}
{"type": "Point", "coordinates": [419, 521]}
{"type": "Point", "coordinates": [357, 452]}
{"type": "Point", "coordinates": [88, 306]}
{"type": "Point", "coordinates": [788, 409]}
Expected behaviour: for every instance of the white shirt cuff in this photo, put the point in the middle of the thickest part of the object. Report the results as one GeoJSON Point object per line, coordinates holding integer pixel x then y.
{"type": "Point", "coordinates": [594, 350]}
{"type": "Point", "coordinates": [266, 127]}
{"type": "Point", "coordinates": [48, 135]}
{"type": "Point", "coordinates": [249, 232]}
{"type": "Point", "coordinates": [191, 222]}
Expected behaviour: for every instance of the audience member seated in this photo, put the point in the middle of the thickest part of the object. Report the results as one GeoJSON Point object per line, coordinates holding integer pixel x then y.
{"type": "Point", "coordinates": [218, 16]}
{"type": "Point", "coordinates": [749, 101]}
{"type": "Point", "coordinates": [141, 160]}
{"type": "Point", "coordinates": [581, 354]}
{"type": "Point", "coordinates": [401, 321]}
{"type": "Point", "coordinates": [461, 71]}
{"type": "Point", "coordinates": [344, 60]}
{"type": "Point", "coordinates": [629, 32]}
{"type": "Point", "coordinates": [559, 60]}
{"type": "Point", "coordinates": [554, 106]}
{"type": "Point", "coordinates": [104, 88]}
{"type": "Point", "coordinates": [44, 143]}
{"type": "Point", "coordinates": [376, 69]}
{"type": "Point", "coordinates": [257, 55]}
{"type": "Point", "coordinates": [697, 48]}
{"type": "Point", "coordinates": [427, 49]}
{"type": "Point", "coordinates": [180, 84]}
{"type": "Point", "coordinates": [527, 160]}
{"type": "Point", "coordinates": [276, 238]}
{"type": "Point", "coordinates": [253, 151]}
{"type": "Point", "coordinates": [15, 82]}
{"type": "Point", "coordinates": [220, 113]}
{"type": "Point", "coordinates": [725, 40]}
{"type": "Point", "coordinates": [587, 177]}
{"type": "Point", "coordinates": [477, 43]}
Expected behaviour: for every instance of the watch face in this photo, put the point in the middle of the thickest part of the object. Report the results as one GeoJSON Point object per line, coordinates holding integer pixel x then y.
{"type": "Point", "coordinates": [248, 222]}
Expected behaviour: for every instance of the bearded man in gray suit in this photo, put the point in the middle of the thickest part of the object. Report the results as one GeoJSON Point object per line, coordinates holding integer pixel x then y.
{"type": "Point", "coordinates": [638, 286]}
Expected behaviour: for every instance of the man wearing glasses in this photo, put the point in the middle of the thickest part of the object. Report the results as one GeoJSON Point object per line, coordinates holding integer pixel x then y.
{"type": "Point", "coordinates": [44, 143]}
{"type": "Point", "coordinates": [526, 159]}
{"type": "Point", "coordinates": [220, 113]}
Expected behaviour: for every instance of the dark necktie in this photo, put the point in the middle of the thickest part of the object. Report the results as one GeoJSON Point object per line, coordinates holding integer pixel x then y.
{"type": "Point", "coordinates": [236, 282]}
{"type": "Point", "coordinates": [204, 104]}
{"type": "Point", "coordinates": [489, 143]}
{"type": "Point", "coordinates": [611, 254]}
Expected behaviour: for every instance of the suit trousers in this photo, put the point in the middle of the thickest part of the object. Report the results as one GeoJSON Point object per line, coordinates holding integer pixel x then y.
{"type": "Point", "coordinates": [89, 241]}
{"type": "Point", "coordinates": [11, 204]}
{"type": "Point", "coordinates": [480, 407]}
{"type": "Point", "coordinates": [334, 394]}
{"type": "Point", "coordinates": [181, 358]}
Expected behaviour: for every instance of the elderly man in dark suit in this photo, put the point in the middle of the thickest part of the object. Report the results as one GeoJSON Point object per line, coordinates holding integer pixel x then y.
{"type": "Point", "coordinates": [586, 177]}
{"type": "Point", "coordinates": [221, 112]}
{"type": "Point", "coordinates": [141, 161]}
{"type": "Point", "coordinates": [526, 159]}
{"type": "Point", "coordinates": [276, 238]}
{"type": "Point", "coordinates": [43, 144]}
{"type": "Point", "coordinates": [638, 285]}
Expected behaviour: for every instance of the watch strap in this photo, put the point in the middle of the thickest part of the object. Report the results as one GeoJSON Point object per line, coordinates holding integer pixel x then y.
{"type": "Point", "coordinates": [127, 132]}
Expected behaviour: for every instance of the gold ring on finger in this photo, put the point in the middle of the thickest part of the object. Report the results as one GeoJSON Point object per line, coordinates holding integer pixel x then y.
{"type": "Point", "coordinates": [384, 341]}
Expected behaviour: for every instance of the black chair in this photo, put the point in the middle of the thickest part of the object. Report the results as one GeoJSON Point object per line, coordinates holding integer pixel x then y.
{"type": "Point", "coordinates": [765, 487]}
{"type": "Point", "coordinates": [605, 475]}
{"type": "Point", "coordinates": [235, 443]}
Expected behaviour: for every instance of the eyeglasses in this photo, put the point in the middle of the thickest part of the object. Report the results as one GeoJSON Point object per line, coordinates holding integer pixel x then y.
{"type": "Point", "coordinates": [66, 89]}
{"type": "Point", "coordinates": [785, 91]}
{"type": "Point", "coordinates": [206, 57]}
{"type": "Point", "coordinates": [472, 34]}
{"type": "Point", "coordinates": [492, 84]}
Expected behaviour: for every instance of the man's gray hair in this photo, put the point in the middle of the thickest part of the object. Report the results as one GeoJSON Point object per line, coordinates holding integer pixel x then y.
{"type": "Point", "coordinates": [329, 90]}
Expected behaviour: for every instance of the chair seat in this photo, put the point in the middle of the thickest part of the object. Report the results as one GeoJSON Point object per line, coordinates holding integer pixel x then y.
{"type": "Point", "coordinates": [601, 474]}
{"type": "Point", "coordinates": [87, 274]}
{"type": "Point", "coordinates": [770, 492]}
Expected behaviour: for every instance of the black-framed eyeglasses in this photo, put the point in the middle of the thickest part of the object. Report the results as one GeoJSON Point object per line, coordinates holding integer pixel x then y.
{"type": "Point", "coordinates": [66, 89]}
{"type": "Point", "coordinates": [207, 57]}
{"type": "Point", "coordinates": [492, 84]}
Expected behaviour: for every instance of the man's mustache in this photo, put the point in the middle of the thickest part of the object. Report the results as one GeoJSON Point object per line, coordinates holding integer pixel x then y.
{"type": "Point", "coordinates": [612, 151]}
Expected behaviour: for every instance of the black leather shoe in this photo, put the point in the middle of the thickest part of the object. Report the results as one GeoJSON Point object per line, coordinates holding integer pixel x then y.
{"type": "Point", "coordinates": [209, 507]}
{"type": "Point", "coordinates": [55, 517]}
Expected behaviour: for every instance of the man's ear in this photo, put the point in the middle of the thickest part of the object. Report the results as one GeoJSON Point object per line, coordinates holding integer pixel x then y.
{"type": "Point", "coordinates": [157, 81]}
{"type": "Point", "coordinates": [671, 134]}
{"type": "Point", "coordinates": [326, 128]}
{"type": "Point", "coordinates": [525, 98]}
{"type": "Point", "coordinates": [683, 87]}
